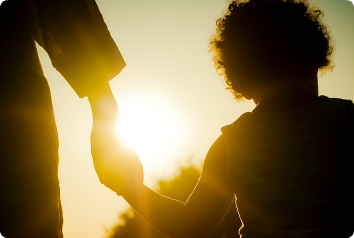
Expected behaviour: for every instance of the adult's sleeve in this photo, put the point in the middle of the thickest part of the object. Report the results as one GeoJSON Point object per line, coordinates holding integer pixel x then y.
{"type": "Point", "coordinates": [77, 40]}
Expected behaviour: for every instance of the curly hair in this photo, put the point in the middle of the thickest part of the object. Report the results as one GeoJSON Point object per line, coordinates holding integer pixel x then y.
{"type": "Point", "coordinates": [269, 37]}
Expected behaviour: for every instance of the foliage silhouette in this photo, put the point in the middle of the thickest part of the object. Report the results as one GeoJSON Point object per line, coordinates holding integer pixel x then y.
{"type": "Point", "coordinates": [178, 187]}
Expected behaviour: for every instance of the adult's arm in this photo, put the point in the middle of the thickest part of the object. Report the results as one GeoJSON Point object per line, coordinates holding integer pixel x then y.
{"type": "Point", "coordinates": [77, 40]}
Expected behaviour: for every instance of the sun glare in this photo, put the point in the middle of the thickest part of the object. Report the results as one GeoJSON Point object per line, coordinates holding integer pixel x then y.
{"type": "Point", "coordinates": [151, 126]}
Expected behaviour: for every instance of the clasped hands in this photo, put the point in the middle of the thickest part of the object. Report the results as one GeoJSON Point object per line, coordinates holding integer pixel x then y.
{"type": "Point", "coordinates": [117, 166]}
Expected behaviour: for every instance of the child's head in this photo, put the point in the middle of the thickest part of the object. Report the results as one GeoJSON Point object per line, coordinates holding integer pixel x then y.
{"type": "Point", "coordinates": [264, 42]}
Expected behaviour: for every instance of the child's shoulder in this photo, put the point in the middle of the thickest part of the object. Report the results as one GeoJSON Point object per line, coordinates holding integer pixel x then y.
{"type": "Point", "coordinates": [323, 106]}
{"type": "Point", "coordinates": [339, 104]}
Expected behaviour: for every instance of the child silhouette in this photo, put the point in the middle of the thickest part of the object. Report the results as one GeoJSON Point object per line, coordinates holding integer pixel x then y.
{"type": "Point", "coordinates": [287, 162]}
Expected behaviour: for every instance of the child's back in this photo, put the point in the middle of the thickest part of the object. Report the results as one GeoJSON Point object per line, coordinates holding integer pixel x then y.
{"type": "Point", "coordinates": [291, 171]}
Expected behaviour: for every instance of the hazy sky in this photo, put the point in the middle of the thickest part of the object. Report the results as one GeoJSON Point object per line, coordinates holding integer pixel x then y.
{"type": "Point", "coordinates": [172, 89]}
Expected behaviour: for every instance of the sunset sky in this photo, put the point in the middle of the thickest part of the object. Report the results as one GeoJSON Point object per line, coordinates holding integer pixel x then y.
{"type": "Point", "coordinates": [169, 95]}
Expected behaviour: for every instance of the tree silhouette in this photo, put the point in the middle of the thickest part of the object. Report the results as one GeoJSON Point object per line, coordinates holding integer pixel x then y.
{"type": "Point", "coordinates": [179, 187]}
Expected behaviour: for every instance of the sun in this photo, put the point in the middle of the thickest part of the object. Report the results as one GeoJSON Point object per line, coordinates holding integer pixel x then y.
{"type": "Point", "coordinates": [152, 126]}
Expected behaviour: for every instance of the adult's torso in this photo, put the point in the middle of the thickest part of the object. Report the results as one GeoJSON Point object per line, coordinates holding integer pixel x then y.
{"type": "Point", "coordinates": [29, 200]}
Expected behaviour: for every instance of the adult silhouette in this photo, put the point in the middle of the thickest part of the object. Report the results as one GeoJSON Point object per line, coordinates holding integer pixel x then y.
{"type": "Point", "coordinates": [287, 162]}
{"type": "Point", "coordinates": [80, 47]}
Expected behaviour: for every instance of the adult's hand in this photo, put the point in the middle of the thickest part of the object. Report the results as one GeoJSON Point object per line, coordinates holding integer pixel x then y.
{"type": "Point", "coordinates": [117, 166]}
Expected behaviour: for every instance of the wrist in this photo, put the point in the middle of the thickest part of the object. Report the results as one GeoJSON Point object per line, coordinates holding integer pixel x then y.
{"type": "Point", "coordinates": [102, 102]}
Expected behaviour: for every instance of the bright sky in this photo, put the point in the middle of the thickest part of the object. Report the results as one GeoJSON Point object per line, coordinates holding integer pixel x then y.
{"type": "Point", "coordinates": [169, 95]}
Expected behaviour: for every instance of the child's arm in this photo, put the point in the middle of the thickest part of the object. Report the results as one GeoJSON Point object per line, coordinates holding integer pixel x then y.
{"type": "Point", "coordinates": [204, 209]}
{"type": "Point", "coordinates": [119, 169]}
